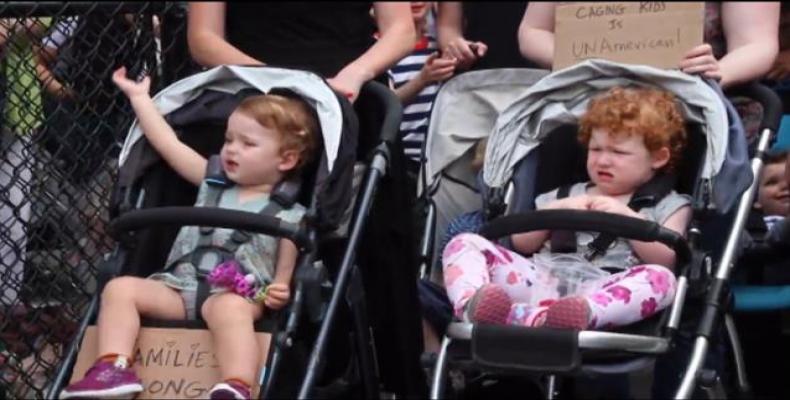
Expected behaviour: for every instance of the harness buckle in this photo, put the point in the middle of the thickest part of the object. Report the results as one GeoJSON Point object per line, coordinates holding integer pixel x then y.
{"type": "Point", "coordinates": [240, 237]}
{"type": "Point", "coordinates": [592, 252]}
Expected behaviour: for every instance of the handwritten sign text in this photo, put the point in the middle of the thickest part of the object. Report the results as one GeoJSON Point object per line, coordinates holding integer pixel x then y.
{"type": "Point", "coordinates": [172, 363]}
{"type": "Point", "coordinates": [653, 33]}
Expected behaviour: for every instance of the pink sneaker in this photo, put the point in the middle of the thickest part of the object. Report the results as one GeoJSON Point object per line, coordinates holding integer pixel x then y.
{"type": "Point", "coordinates": [229, 391]}
{"type": "Point", "coordinates": [490, 304]}
{"type": "Point", "coordinates": [568, 313]}
{"type": "Point", "coordinates": [105, 379]}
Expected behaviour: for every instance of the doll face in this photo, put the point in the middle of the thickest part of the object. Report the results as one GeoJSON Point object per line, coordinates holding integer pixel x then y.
{"type": "Point", "coordinates": [773, 194]}
{"type": "Point", "coordinates": [619, 164]}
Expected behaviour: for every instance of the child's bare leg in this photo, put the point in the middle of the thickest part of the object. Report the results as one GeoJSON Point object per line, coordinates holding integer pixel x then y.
{"type": "Point", "coordinates": [430, 339]}
{"type": "Point", "coordinates": [123, 300]}
{"type": "Point", "coordinates": [230, 318]}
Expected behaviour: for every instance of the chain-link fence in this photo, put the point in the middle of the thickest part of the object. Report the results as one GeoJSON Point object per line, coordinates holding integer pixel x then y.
{"type": "Point", "coordinates": [62, 122]}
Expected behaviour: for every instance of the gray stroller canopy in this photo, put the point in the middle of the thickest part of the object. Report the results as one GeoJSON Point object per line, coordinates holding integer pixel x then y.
{"type": "Point", "coordinates": [465, 110]}
{"type": "Point", "coordinates": [561, 98]}
{"type": "Point", "coordinates": [205, 97]}
{"type": "Point", "coordinates": [231, 79]}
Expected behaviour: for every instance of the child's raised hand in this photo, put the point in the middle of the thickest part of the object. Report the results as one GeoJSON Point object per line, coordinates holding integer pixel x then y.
{"type": "Point", "coordinates": [277, 296]}
{"type": "Point", "coordinates": [128, 86]}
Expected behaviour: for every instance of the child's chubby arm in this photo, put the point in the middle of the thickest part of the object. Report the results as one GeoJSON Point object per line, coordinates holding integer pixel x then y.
{"type": "Point", "coordinates": [279, 292]}
{"type": "Point", "coordinates": [182, 158]}
{"type": "Point", "coordinates": [530, 242]}
{"type": "Point", "coordinates": [648, 252]}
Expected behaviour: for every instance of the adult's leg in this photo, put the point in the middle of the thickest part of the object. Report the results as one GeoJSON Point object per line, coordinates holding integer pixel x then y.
{"type": "Point", "coordinates": [123, 301]}
{"type": "Point", "coordinates": [230, 318]}
{"type": "Point", "coordinates": [437, 313]}
{"type": "Point", "coordinates": [430, 338]}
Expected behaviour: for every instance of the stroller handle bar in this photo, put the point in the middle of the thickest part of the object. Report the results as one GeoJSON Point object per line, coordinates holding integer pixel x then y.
{"type": "Point", "coordinates": [770, 102]}
{"type": "Point", "coordinates": [596, 221]}
{"type": "Point", "coordinates": [210, 217]}
{"type": "Point", "coordinates": [393, 109]}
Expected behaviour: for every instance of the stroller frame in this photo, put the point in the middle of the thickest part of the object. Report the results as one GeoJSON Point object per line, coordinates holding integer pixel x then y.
{"type": "Point", "coordinates": [715, 297]}
{"type": "Point", "coordinates": [308, 280]}
{"type": "Point", "coordinates": [587, 340]}
{"type": "Point", "coordinates": [718, 294]}
{"type": "Point", "coordinates": [348, 278]}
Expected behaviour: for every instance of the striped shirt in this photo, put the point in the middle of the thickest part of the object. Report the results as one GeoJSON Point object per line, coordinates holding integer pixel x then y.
{"type": "Point", "coordinates": [414, 125]}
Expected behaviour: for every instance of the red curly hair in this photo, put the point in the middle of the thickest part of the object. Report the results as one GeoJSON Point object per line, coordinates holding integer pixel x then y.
{"type": "Point", "coordinates": [650, 113]}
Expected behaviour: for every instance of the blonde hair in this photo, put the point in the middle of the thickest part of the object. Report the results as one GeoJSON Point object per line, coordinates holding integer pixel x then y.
{"type": "Point", "coordinates": [292, 119]}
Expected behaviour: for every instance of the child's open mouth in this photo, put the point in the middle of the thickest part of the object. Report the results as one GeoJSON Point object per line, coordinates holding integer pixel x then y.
{"type": "Point", "coordinates": [231, 165]}
{"type": "Point", "coordinates": [605, 175]}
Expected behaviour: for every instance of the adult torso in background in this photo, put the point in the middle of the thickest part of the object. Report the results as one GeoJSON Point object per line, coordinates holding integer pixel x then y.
{"type": "Point", "coordinates": [713, 29]}
{"type": "Point", "coordinates": [784, 26]}
{"type": "Point", "coordinates": [318, 36]}
{"type": "Point", "coordinates": [750, 111]}
{"type": "Point", "coordinates": [495, 23]}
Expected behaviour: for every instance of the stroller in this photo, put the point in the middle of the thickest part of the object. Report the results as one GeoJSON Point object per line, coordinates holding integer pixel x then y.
{"type": "Point", "coordinates": [761, 297]}
{"type": "Point", "coordinates": [151, 202]}
{"type": "Point", "coordinates": [528, 135]}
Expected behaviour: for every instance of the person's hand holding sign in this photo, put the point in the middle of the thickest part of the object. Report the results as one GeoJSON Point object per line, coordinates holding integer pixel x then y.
{"type": "Point", "coordinates": [744, 35]}
{"type": "Point", "coordinates": [700, 60]}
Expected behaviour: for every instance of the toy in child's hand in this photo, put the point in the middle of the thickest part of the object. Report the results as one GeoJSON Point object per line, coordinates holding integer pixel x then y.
{"type": "Point", "coordinates": [228, 275]}
{"type": "Point", "coordinates": [130, 87]}
{"type": "Point", "coordinates": [135, 72]}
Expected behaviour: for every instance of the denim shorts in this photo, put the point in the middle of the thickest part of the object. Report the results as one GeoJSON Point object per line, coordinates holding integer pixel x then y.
{"type": "Point", "coordinates": [190, 298]}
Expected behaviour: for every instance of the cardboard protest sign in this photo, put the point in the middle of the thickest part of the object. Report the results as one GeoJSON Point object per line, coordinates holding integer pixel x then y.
{"type": "Point", "coordinates": [652, 33]}
{"type": "Point", "coordinates": [172, 363]}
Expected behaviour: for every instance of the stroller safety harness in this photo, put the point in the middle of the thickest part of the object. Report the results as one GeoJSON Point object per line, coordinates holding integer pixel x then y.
{"type": "Point", "coordinates": [648, 195]}
{"type": "Point", "coordinates": [206, 255]}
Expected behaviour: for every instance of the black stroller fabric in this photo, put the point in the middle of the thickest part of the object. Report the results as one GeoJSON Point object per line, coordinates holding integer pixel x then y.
{"type": "Point", "coordinates": [200, 123]}
{"type": "Point", "coordinates": [388, 268]}
{"type": "Point", "coordinates": [436, 307]}
{"type": "Point", "coordinates": [735, 174]}
{"type": "Point", "coordinates": [388, 261]}
{"type": "Point", "coordinates": [211, 110]}
{"type": "Point", "coordinates": [528, 350]}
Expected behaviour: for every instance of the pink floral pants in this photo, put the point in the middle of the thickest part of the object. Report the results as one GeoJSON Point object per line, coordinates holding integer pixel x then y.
{"type": "Point", "coordinates": [471, 261]}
